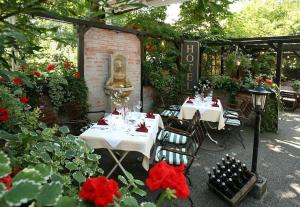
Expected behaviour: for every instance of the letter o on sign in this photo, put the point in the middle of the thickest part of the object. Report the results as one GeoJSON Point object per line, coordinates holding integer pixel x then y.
{"type": "Point", "coordinates": [189, 58]}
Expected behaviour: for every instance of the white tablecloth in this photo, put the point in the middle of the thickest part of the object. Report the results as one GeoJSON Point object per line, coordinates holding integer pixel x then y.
{"type": "Point", "coordinates": [207, 111]}
{"type": "Point", "coordinates": [120, 136]}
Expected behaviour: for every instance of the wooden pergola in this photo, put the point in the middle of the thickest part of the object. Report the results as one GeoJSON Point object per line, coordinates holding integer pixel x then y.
{"type": "Point", "coordinates": [280, 45]}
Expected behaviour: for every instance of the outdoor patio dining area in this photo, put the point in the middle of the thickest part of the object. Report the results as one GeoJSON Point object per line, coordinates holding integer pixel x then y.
{"type": "Point", "coordinates": [149, 103]}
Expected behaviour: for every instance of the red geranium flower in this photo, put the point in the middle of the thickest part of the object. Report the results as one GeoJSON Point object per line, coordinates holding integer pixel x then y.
{"type": "Point", "coordinates": [3, 114]}
{"type": "Point", "coordinates": [23, 68]}
{"type": "Point", "coordinates": [7, 181]}
{"type": "Point", "coordinates": [67, 64]}
{"type": "Point", "coordinates": [163, 176]}
{"type": "Point", "coordinates": [77, 75]}
{"type": "Point", "coordinates": [17, 81]}
{"type": "Point", "coordinates": [269, 81]}
{"type": "Point", "coordinates": [100, 191]}
{"type": "Point", "coordinates": [37, 74]}
{"type": "Point", "coordinates": [24, 99]}
{"type": "Point", "coordinates": [50, 67]}
{"type": "Point", "coordinates": [2, 79]}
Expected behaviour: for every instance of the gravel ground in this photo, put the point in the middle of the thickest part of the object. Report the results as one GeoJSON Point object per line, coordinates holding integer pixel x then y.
{"type": "Point", "coordinates": [278, 161]}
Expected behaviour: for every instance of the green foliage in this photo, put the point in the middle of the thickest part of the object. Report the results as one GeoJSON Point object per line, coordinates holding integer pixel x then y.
{"type": "Point", "coordinates": [264, 64]}
{"type": "Point", "coordinates": [296, 85]}
{"type": "Point", "coordinates": [261, 18]}
{"type": "Point", "coordinates": [57, 85]}
{"type": "Point", "coordinates": [225, 83]}
{"type": "Point", "coordinates": [19, 115]}
{"type": "Point", "coordinates": [4, 165]}
{"type": "Point", "coordinates": [29, 185]}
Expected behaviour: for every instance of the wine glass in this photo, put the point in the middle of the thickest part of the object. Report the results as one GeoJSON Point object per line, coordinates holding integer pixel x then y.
{"type": "Point", "coordinates": [139, 105]}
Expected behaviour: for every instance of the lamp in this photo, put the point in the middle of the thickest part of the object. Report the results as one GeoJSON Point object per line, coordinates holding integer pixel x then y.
{"type": "Point", "coordinates": [259, 95]}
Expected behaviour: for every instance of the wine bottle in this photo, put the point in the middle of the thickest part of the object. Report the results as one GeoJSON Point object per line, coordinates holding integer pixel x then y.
{"type": "Point", "coordinates": [218, 174]}
{"type": "Point", "coordinates": [232, 186]}
{"type": "Point", "coordinates": [233, 160]}
{"type": "Point", "coordinates": [219, 165]}
{"type": "Point", "coordinates": [227, 157]}
{"type": "Point", "coordinates": [223, 161]}
{"type": "Point", "coordinates": [226, 191]}
{"type": "Point", "coordinates": [228, 165]}
{"type": "Point", "coordinates": [233, 168]}
{"type": "Point", "coordinates": [224, 177]}
{"type": "Point", "coordinates": [214, 170]}
{"type": "Point", "coordinates": [243, 178]}
{"type": "Point", "coordinates": [223, 169]}
{"type": "Point", "coordinates": [229, 173]}
{"type": "Point", "coordinates": [237, 180]}
{"type": "Point", "coordinates": [246, 172]}
{"type": "Point", "coordinates": [218, 184]}
{"type": "Point", "coordinates": [212, 180]}
{"type": "Point", "coordinates": [239, 164]}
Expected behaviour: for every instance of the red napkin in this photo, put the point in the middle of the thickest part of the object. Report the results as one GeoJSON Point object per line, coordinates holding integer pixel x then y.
{"type": "Point", "coordinates": [102, 121]}
{"type": "Point", "coordinates": [142, 128]}
{"type": "Point", "coordinates": [192, 97]}
{"type": "Point", "coordinates": [214, 99]}
{"type": "Point", "coordinates": [215, 104]}
{"type": "Point", "coordinates": [115, 112]}
{"type": "Point", "coordinates": [150, 115]}
{"type": "Point", "coordinates": [189, 101]}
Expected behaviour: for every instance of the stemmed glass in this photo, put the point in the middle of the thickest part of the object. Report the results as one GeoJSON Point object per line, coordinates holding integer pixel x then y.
{"type": "Point", "coordinates": [139, 105]}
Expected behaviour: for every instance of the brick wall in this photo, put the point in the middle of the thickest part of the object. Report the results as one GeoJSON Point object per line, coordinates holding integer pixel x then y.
{"type": "Point", "coordinates": [99, 44]}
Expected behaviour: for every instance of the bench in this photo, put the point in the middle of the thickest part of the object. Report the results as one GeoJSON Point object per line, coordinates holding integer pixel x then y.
{"type": "Point", "coordinates": [289, 98]}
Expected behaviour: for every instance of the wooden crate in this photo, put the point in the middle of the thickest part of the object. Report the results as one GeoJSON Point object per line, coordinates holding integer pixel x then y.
{"type": "Point", "coordinates": [238, 197]}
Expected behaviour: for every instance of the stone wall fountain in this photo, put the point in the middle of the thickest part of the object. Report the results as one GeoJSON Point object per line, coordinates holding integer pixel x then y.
{"type": "Point", "coordinates": [118, 80]}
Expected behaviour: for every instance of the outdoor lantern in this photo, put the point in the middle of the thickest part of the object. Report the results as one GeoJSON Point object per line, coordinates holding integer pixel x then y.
{"type": "Point", "coordinates": [259, 95]}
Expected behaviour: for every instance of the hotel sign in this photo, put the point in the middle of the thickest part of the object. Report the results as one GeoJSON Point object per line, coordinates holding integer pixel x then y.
{"type": "Point", "coordinates": [190, 58]}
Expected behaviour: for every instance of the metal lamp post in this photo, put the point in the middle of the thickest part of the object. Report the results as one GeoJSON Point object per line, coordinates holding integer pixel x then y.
{"type": "Point", "coordinates": [259, 95]}
{"type": "Point", "coordinates": [238, 63]}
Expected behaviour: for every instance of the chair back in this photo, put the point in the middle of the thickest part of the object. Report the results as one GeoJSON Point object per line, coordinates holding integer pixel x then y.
{"type": "Point", "coordinates": [246, 107]}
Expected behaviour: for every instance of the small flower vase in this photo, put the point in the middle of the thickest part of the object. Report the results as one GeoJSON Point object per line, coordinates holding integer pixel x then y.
{"type": "Point", "coordinates": [124, 112]}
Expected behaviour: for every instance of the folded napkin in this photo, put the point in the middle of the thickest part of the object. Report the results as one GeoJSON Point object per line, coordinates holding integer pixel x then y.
{"type": "Point", "coordinates": [215, 104]}
{"type": "Point", "coordinates": [150, 115]}
{"type": "Point", "coordinates": [115, 112]}
{"type": "Point", "coordinates": [214, 99]}
{"type": "Point", "coordinates": [102, 121]}
{"type": "Point", "coordinates": [189, 101]}
{"type": "Point", "coordinates": [142, 128]}
{"type": "Point", "coordinates": [192, 97]}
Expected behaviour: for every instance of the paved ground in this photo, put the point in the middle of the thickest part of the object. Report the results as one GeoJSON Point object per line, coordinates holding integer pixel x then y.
{"type": "Point", "coordinates": [279, 162]}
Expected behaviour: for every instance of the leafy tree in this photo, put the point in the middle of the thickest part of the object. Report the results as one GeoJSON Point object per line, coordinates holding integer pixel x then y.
{"type": "Point", "coordinates": [265, 18]}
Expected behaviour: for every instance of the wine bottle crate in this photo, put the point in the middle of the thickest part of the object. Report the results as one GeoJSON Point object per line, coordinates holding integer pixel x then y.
{"type": "Point", "coordinates": [238, 197]}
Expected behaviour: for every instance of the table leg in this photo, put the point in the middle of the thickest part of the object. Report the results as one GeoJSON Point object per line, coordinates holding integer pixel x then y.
{"type": "Point", "coordinates": [118, 162]}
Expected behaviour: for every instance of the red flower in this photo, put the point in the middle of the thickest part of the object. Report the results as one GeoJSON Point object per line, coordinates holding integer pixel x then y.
{"type": "Point", "coordinates": [100, 191]}
{"type": "Point", "coordinates": [162, 176]}
{"type": "Point", "coordinates": [37, 74]}
{"type": "Point", "coordinates": [2, 79]}
{"type": "Point", "coordinates": [77, 75]}
{"type": "Point", "coordinates": [67, 64]}
{"type": "Point", "coordinates": [50, 67]}
{"type": "Point", "coordinates": [3, 114]}
{"type": "Point", "coordinates": [17, 81]}
{"type": "Point", "coordinates": [24, 99]}
{"type": "Point", "coordinates": [174, 70]}
{"type": "Point", "coordinates": [7, 181]}
{"type": "Point", "coordinates": [23, 68]}
{"type": "Point", "coordinates": [269, 81]}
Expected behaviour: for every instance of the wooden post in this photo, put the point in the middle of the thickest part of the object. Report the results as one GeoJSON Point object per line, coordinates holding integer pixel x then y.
{"type": "Point", "coordinates": [278, 64]}
{"type": "Point", "coordinates": [222, 60]}
{"type": "Point", "coordinates": [201, 51]}
{"type": "Point", "coordinates": [81, 31]}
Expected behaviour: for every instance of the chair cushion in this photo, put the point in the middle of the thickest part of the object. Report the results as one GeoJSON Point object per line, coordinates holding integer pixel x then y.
{"type": "Point", "coordinates": [233, 122]}
{"type": "Point", "coordinates": [171, 137]}
{"type": "Point", "coordinates": [172, 158]}
{"type": "Point", "coordinates": [169, 113]}
{"type": "Point", "coordinates": [231, 114]}
{"type": "Point", "coordinates": [289, 99]}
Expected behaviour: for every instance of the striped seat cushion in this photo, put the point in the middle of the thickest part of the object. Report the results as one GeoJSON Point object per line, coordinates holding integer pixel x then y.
{"type": "Point", "coordinates": [172, 158]}
{"type": "Point", "coordinates": [231, 114]}
{"type": "Point", "coordinates": [171, 137]}
{"type": "Point", "coordinates": [233, 122]}
{"type": "Point", "coordinates": [169, 113]}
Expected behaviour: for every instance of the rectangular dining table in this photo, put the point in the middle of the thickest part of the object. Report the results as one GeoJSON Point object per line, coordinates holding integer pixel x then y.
{"type": "Point", "coordinates": [121, 135]}
{"type": "Point", "coordinates": [209, 113]}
